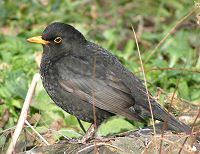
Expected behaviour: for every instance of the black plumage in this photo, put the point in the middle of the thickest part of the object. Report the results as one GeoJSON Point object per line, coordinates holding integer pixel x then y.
{"type": "Point", "coordinates": [67, 71]}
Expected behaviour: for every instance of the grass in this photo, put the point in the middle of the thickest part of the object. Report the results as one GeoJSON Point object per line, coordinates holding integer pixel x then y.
{"type": "Point", "coordinates": [108, 24]}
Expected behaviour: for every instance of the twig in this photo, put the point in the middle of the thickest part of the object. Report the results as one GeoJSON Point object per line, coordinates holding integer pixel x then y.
{"type": "Point", "coordinates": [169, 69]}
{"type": "Point", "coordinates": [162, 138]}
{"type": "Point", "coordinates": [146, 148]}
{"type": "Point", "coordinates": [38, 134]}
{"type": "Point", "coordinates": [169, 33]}
{"type": "Point", "coordinates": [100, 144]}
{"type": "Point", "coordinates": [171, 142]}
{"type": "Point", "coordinates": [94, 103]}
{"type": "Point", "coordinates": [145, 82]}
{"type": "Point", "coordinates": [198, 114]}
{"type": "Point", "coordinates": [170, 105]}
{"type": "Point", "coordinates": [165, 123]}
{"type": "Point", "coordinates": [23, 114]}
{"type": "Point", "coordinates": [93, 94]}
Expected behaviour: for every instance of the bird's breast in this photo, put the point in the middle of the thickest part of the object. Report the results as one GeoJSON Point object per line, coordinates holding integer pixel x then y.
{"type": "Point", "coordinates": [49, 77]}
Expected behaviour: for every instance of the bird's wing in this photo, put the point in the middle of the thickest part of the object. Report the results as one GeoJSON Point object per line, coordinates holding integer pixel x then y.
{"type": "Point", "coordinates": [110, 94]}
{"type": "Point", "coordinates": [137, 90]}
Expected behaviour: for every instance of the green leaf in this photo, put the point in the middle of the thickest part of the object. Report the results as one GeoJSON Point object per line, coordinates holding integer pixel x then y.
{"type": "Point", "coordinates": [183, 90]}
{"type": "Point", "coordinates": [66, 133]}
{"type": "Point", "coordinates": [114, 125]}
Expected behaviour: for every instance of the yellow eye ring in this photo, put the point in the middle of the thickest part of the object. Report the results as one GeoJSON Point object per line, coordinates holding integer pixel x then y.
{"type": "Point", "coordinates": [58, 40]}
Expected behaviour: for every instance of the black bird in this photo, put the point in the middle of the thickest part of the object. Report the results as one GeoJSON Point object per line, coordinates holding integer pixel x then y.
{"type": "Point", "coordinates": [74, 69]}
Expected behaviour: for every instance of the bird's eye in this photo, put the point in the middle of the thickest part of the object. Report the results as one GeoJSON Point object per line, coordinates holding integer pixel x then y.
{"type": "Point", "coordinates": [58, 40]}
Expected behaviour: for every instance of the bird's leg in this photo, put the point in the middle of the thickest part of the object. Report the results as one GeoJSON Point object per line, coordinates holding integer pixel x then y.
{"type": "Point", "coordinates": [159, 91]}
{"type": "Point", "coordinates": [81, 125]}
{"type": "Point", "coordinates": [88, 135]}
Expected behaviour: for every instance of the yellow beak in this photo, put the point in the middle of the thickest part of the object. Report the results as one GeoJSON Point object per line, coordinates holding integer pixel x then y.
{"type": "Point", "coordinates": [37, 39]}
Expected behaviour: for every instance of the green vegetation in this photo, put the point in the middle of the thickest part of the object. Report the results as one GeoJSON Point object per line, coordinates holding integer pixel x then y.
{"type": "Point", "coordinates": [108, 24]}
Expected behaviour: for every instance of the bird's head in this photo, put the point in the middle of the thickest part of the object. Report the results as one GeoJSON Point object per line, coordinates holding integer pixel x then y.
{"type": "Point", "coordinates": [59, 37]}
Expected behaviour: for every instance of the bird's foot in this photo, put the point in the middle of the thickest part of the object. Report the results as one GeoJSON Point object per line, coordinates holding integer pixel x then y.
{"type": "Point", "coordinates": [88, 135]}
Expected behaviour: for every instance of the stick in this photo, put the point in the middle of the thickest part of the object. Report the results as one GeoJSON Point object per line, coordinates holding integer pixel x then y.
{"type": "Point", "coordinates": [23, 114]}
{"type": "Point", "coordinates": [145, 82]}
{"type": "Point", "coordinates": [38, 134]}
{"type": "Point", "coordinates": [169, 33]}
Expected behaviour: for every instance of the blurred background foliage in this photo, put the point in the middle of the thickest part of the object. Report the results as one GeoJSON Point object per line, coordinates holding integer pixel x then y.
{"type": "Point", "coordinates": [107, 23]}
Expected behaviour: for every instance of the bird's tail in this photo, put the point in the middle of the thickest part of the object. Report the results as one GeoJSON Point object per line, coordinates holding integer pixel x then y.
{"type": "Point", "coordinates": [171, 122]}
{"type": "Point", "coordinates": [162, 115]}
{"type": "Point", "coordinates": [176, 125]}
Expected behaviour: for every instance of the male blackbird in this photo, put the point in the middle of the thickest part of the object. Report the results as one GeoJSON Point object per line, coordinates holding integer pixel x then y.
{"type": "Point", "coordinates": [74, 71]}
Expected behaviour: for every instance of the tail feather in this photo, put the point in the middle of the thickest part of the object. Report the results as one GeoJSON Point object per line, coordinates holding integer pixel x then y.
{"type": "Point", "coordinates": [162, 115]}
{"type": "Point", "coordinates": [172, 123]}
{"type": "Point", "coordinates": [177, 126]}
